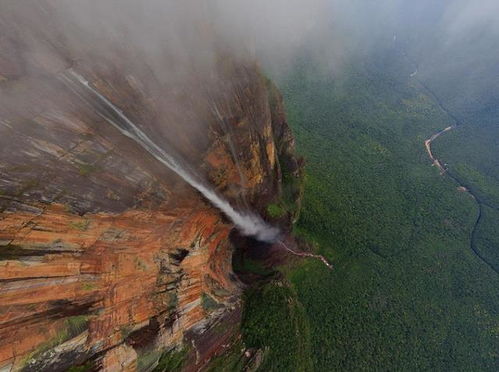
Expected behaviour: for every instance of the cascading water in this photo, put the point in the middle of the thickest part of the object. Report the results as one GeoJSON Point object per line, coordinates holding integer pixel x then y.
{"type": "Point", "coordinates": [247, 223]}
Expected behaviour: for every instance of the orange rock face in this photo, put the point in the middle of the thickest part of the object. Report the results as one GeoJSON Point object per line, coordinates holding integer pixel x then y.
{"type": "Point", "coordinates": [106, 256]}
{"type": "Point", "coordinates": [117, 270]}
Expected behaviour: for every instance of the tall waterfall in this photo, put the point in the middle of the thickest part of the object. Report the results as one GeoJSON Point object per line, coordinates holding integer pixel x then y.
{"type": "Point", "coordinates": [246, 222]}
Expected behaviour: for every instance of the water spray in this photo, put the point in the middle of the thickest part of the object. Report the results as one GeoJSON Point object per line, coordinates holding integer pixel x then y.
{"type": "Point", "coordinates": [247, 223]}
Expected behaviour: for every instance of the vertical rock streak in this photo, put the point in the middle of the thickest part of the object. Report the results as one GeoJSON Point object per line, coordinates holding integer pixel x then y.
{"type": "Point", "coordinates": [233, 151]}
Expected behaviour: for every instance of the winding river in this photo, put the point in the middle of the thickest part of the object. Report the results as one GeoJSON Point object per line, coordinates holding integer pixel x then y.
{"type": "Point", "coordinates": [438, 163]}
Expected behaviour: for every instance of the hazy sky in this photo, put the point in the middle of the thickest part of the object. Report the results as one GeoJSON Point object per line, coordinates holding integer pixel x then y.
{"type": "Point", "coordinates": [174, 38]}
{"type": "Point", "coordinates": [276, 29]}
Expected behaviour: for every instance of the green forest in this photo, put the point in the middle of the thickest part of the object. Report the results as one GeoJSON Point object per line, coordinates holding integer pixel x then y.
{"type": "Point", "coordinates": [407, 291]}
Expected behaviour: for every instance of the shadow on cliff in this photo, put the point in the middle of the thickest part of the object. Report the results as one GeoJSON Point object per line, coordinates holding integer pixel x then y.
{"type": "Point", "coordinates": [254, 261]}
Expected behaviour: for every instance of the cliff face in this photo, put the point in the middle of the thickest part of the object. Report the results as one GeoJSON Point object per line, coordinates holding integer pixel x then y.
{"type": "Point", "coordinates": [106, 256]}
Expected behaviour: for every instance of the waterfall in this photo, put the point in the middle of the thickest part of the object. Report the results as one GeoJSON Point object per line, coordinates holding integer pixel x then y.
{"type": "Point", "coordinates": [247, 223]}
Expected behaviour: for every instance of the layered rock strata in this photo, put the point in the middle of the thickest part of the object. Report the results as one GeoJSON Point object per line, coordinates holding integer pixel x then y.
{"type": "Point", "coordinates": [107, 258]}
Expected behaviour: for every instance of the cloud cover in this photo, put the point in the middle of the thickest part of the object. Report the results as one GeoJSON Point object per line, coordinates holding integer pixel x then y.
{"type": "Point", "coordinates": [179, 39]}
{"type": "Point", "coordinates": [192, 32]}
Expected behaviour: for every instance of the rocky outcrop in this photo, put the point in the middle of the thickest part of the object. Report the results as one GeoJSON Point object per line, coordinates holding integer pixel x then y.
{"type": "Point", "coordinates": [107, 258]}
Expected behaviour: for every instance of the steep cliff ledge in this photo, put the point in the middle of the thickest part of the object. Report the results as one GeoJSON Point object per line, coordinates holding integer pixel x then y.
{"type": "Point", "coordinates": [107, 258]}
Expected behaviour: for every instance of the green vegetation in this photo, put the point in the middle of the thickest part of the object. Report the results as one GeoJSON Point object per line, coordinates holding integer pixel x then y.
{"type": "Point", "coordinates": [292, 190]}
{"type": "Point", "coordinates": [76, 325]}
{"type": "Point", "coordinates": [231, 360]}
{"type": "Point", "coordinates": [463, 78]}
{"type": "Point", "coordinates": [274, 318]}
{"type": "Point", "coordinates": [407, 291]}
{"type": "Point", "coordinates": [73, 326]}
{"type": "Point", "coordinates": [246, 265]}
{"type": "Point", "coordinates": [471, 154]}
{"type": "Point", "coordinates": [171, 360]}
{"type": "Point", "coordinates": [275, 210]}
{"type": "Point", "coordinates": [146, 360]}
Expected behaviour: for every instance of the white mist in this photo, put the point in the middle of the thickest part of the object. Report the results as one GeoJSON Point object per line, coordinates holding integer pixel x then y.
{"type": "Point", "coordinates": [247, 223]}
